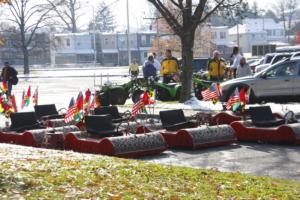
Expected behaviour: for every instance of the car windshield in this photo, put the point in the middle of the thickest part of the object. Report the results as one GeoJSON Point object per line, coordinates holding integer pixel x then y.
{"type": "Point", "coordinates": [280, 57]}
{"type": "Point", "coordinates": [269, 59]}
{"type": "Point", "coordinates": [258, 74]}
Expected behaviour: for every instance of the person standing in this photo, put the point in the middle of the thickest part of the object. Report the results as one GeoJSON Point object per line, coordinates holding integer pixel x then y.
{"type": "Point", "coordinates": [216, 68]}
{"type": "Point", "coordinates": [149, 69]}
{"type": "Point", "coordinates": [243, 69]}
{"type": "Point", "coordinates": [236, 58]}
{"type": "Point", "coordinates": [169, 67]}
{"type": "Point", "coordinates": [9, 75]}
{"type": "Point", "coordinates": [134, 68]}
{"type": "Point", "coordinates": [156, 63]}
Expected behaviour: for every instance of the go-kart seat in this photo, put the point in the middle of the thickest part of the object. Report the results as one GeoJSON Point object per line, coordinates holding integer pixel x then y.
{"type": "Point", "coordinates": [173, 120]}
{"type": "Point", "coordinates": [262, 117]}
{"type": "Point", "coordinates": [23, 121]}
{"type": "Point", "coordinates": [101, 125]}
{"type": "Point", "coordinates": [47, 111]}
{"type": "Point", "coordinates": [110, 110]}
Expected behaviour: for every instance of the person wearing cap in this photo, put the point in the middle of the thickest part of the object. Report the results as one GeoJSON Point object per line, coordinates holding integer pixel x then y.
{"type": "Point", "coordinates": [9, 75]}
{"type": "Point", "coordinates": [216, 68]}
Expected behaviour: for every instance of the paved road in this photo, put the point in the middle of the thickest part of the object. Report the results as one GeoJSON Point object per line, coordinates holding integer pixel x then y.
{"type": "Point", "coordinates": [258, 159]}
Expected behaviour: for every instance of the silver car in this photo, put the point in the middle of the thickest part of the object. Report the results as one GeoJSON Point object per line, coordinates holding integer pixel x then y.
{"type": "Point", "coordinates": [279, 82]}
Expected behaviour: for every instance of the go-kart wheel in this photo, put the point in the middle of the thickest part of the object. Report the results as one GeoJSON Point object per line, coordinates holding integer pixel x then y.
{"type": "Point", "coordinates": [136, 95]}
{"type": "Point", "coordinates": [163, 94]}
{"type": "Point", "coordinates": [117, 96]}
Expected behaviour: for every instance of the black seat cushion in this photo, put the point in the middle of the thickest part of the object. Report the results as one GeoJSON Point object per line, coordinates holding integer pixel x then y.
{"type": "Point", "coordinates": [174, 119]}
{"type": "Point", "coordinates": [101, 125]}
{"type": "Point", "coordinates": [24, 121]}
{"type": "Point", "coordinates": [111, 110]}
{"type": "Point", "coordinates": [178, 126]}
{"type": "Point", "coordinates": [262, 116]}
{"type": "Point", "coordinates": [47, 111]}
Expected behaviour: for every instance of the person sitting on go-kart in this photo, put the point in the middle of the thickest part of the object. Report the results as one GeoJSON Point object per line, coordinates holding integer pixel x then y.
{"type": "Point", "coordinates": [169, 67]}
{"type": "Point", "coordinates": [148, 69]}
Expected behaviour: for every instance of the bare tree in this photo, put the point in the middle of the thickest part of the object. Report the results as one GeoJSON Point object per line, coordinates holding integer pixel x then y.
{"type": "Point", "coordinates": [184, 25]}
{"type": "Point", "coordinates": [286, 10]}
{"type": "Point", "coordinates": [28, 16]}
{"type": "Point", "coordinates": [104, 20]}
{"type": "Point", "coordinates": [67, 14]}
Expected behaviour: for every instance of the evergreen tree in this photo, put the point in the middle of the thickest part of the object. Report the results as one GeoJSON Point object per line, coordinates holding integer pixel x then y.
{"type": "Point", "coordinates": [104, 19]}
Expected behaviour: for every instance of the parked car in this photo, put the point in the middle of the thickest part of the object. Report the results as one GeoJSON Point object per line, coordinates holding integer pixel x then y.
{"type": "Point", "coordinates": [277, 57]}
{"type": "Point", "coordinates": [278, 83]}
{"type": "Point", "coordinates": [200, 64]}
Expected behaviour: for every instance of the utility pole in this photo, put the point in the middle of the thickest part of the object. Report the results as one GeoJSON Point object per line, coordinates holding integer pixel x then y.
{"type": "Point", "coordinates": [157, 32]}
{"type": "Point", "coordinates": [128, 35]}
{"type": "Point", "coordinates": [94, 35]}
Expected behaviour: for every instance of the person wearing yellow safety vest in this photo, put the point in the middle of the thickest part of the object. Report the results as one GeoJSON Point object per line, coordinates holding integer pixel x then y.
{"type": "Point", "coordinates": [169, 67]}
{"type": "Point", "coordinates": [216, 68]}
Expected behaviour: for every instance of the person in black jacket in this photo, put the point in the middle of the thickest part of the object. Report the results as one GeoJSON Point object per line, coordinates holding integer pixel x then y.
{"type": "Point", "coordinates": [9, 75]}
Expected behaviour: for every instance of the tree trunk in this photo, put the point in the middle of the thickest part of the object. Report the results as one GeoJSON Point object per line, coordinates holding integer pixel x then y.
{"type": "Point", "coordinates": [26, 60]}
{"type": "Point", "coordinates": [187, 44]}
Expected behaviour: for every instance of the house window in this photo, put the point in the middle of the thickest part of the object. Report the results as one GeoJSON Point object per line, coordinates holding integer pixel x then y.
{"type": "Point", "coordinates": [106, 41]}
{"type": "Point", "coordinates": [68, 42]}
{"type": "Point", "coordinates": [143, 40]}
{"type": "Point", "coordinates": [274, 32]}
{"type": "Point", "coordinates": [214, 35]}
{"type": "Point", "coordinates": [145, 54]}
{"type": "Point", "coordinates": [269, 32]}
{"type": "Point", "coordinates": [222, 35]}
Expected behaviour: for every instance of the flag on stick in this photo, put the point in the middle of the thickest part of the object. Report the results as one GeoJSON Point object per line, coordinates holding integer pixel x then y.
{"type": "Point", "coordinates": [233, 99]}
{"type": "Point", "coordinates": [23, 100]}
{"type": "Point", "coordinates": [35, 97]}
{"type": "Point", "coordinates": [71, 111]}
{"type": "Point", "coordinates": [27, 96]}
{"type": "Point", "coordinates": [210, 93]}
{"type": "Point", "coordinates": [14, 104]}
{"type": "Point", "coordinates": [4, 86]}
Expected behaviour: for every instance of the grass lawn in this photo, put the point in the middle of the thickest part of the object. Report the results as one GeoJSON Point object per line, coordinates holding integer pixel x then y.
{"type": "Point", "coordinates": [41, 174]}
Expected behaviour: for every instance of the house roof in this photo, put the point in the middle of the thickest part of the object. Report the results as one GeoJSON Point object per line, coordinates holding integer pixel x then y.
{"type": "Point", "coordinates": [259, 25]}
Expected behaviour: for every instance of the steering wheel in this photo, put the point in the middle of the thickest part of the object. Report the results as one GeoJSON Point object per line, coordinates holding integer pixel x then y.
{"type": "Point", "coordinates": [289, 117]}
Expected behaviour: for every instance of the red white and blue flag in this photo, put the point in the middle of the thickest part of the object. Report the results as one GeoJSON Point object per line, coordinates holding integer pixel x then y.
{"type": "Point", "coordinates": [213, 92]}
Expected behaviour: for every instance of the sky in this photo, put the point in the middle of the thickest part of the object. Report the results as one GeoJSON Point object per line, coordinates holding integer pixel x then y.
{"type": "Point", "coordinates": [140, 9]}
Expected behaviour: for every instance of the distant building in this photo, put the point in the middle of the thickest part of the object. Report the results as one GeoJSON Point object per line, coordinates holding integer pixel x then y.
{"type": "Point", "coordinates": [11, 51]}
{"type": "Point", "coordinates": [74, 48]}
{"type": "Point", "coordinates": [221, 41]}
{"type": "Point", "coordinates": [111, 48]}
{"type": "Point", "coordinates": [257, 36]}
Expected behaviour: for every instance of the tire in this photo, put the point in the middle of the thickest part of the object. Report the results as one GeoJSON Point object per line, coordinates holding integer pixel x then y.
{"type": "Point", "coordinates": [104, 101]}
{"type": "Point", "coordinates": [177, 97]}
{"type": "Point", "coordinates": [163, 94]}
{"type": "Point", "coordinates": [252, 98]}
{"type": "Point", "coordinates": [136, 95]}
{"type": "Point", "coordinates": [117, 96]}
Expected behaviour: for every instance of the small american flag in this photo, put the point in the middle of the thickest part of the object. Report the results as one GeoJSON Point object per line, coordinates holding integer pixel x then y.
{"type": "Point", "coordinates": [70, 114]}
{"type": "Point", "coordinates": [137, 108]}
{"type": "Point", "coordinates": [233, 99]}
{"type": "Point", "coordinates": [210, 93]}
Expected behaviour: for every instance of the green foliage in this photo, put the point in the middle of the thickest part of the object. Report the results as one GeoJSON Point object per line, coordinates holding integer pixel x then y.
{"type": "Point", "coordinates": [74, 176]}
